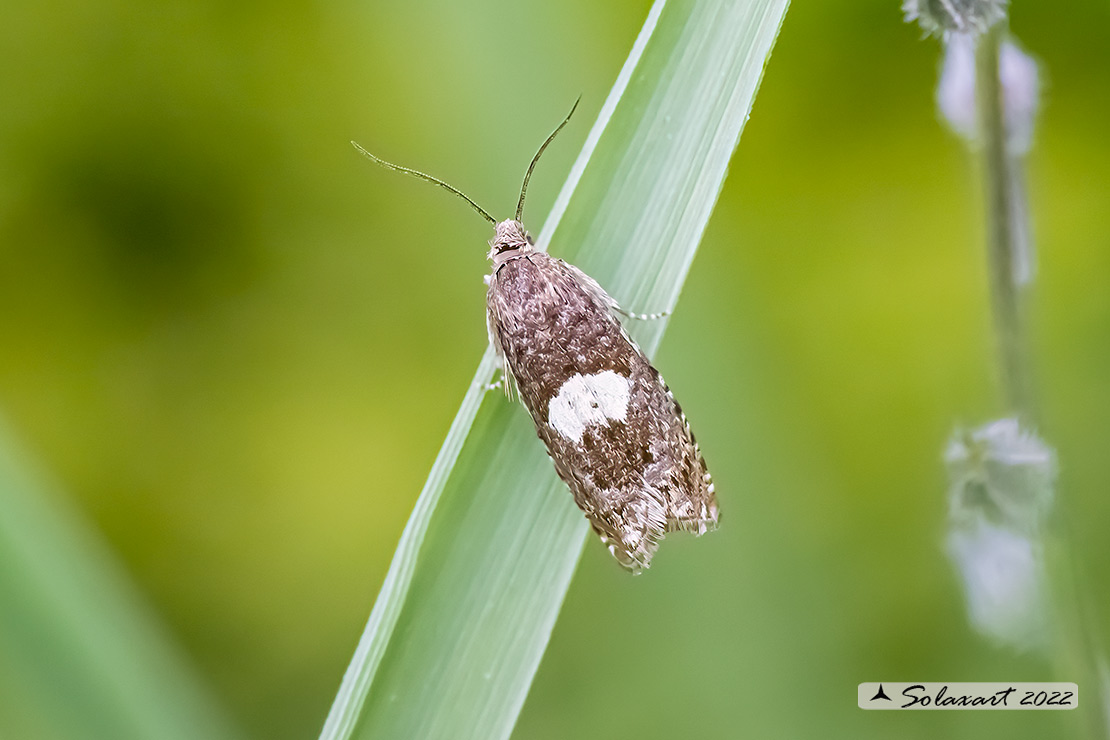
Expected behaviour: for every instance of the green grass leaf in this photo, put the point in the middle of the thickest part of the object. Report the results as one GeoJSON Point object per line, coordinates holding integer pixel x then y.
{"type": "Point", "coordinates": [485, 561]}
{"type": "Point", "coordinates": [83, 656]}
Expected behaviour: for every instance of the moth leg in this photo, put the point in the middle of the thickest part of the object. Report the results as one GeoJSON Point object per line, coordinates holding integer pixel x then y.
{"type": "Point", "coordinates": [503, 381]}
{"type": "Point", "coordinates": [642, 316]}
{"type": "Point", "coordinates": [497, 383]}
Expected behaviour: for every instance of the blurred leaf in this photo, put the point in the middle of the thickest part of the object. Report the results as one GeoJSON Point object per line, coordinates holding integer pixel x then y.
{"type": "Point", "coordinates": [82, 656]}
{"type": "Point", "coordinates": [483, 565]}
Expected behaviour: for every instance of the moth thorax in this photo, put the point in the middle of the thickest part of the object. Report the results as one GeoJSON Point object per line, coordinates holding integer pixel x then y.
{"type": "Point", "coordinates": [509, 237]}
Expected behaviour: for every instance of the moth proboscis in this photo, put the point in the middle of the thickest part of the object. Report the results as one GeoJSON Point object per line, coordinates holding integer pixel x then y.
{"type": "Point", "coordinates": [617, 437]}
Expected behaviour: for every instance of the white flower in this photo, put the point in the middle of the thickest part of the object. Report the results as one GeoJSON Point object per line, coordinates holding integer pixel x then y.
{"type": "Point", "coordinates": [1003, 582]}
{"type": "Point", "coordinates": [1021, 87]}
{"type": "Point", "coordinates": [956, 89]}
{"type": "Point", "coordinates": [1020, 80]}
{"type": "Point", "coordinates": [942, 17]}
{"type": "Point", "coordinates": [1003, 473]}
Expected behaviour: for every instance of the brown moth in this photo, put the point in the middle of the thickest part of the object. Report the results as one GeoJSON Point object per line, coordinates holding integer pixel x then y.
{"type": "Point", "coordinates": [614, 431]}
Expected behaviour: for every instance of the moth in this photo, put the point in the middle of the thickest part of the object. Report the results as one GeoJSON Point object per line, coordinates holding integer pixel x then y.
{"type": "Point", "coordinates": [618, 438]}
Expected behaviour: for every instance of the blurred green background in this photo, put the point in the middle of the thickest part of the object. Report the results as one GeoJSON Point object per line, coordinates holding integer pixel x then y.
{"type": "Point", "coordinates": [237, 345]}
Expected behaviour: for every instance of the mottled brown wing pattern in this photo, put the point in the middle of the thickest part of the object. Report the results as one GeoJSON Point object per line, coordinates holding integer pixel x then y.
{"type": "Point", "coordinates": [614, 431]}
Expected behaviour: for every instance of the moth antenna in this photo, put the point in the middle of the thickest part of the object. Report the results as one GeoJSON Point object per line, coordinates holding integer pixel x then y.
{"type": "Point", "coordinates": [433, 180]}
{"type": "Point", "coordinates": [532, 166]}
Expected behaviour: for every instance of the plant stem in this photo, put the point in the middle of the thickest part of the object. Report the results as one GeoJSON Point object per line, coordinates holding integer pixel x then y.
{"type": "Point", "coordinates": [1002, 253]}
{"type": "Point", "coordinates": [1078, 650]}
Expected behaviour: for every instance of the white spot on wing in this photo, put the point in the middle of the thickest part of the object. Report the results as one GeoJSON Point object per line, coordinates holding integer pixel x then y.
{"type": "Point", "coordinates": [585, 400]}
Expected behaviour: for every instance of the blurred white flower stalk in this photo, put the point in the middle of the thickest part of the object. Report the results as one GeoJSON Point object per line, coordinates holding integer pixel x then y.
{"type": "Point", "coordinates": [1020, 580]}
{"type": "Point", "coordinates": [1001, 492]}
{"type": "Point", "coordinates": [989, 95]}
{"type": "Point", "coordinates": [1001, 475]}
{"type": "Point", "coordinates": [1020, 84]}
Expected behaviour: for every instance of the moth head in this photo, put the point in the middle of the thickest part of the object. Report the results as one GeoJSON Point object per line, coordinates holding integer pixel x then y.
{"type": "Point", "coordinates": [509, 236]}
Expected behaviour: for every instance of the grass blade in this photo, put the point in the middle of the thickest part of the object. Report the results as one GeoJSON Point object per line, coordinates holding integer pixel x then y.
{"type": "Point", "coordinates": [82, 655]}
{"type": "Point", "coordinates": [480, 573]}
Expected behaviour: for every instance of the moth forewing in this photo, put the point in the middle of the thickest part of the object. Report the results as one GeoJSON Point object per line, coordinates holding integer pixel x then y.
{"type": "Point", "coordinates": [610, 424]}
